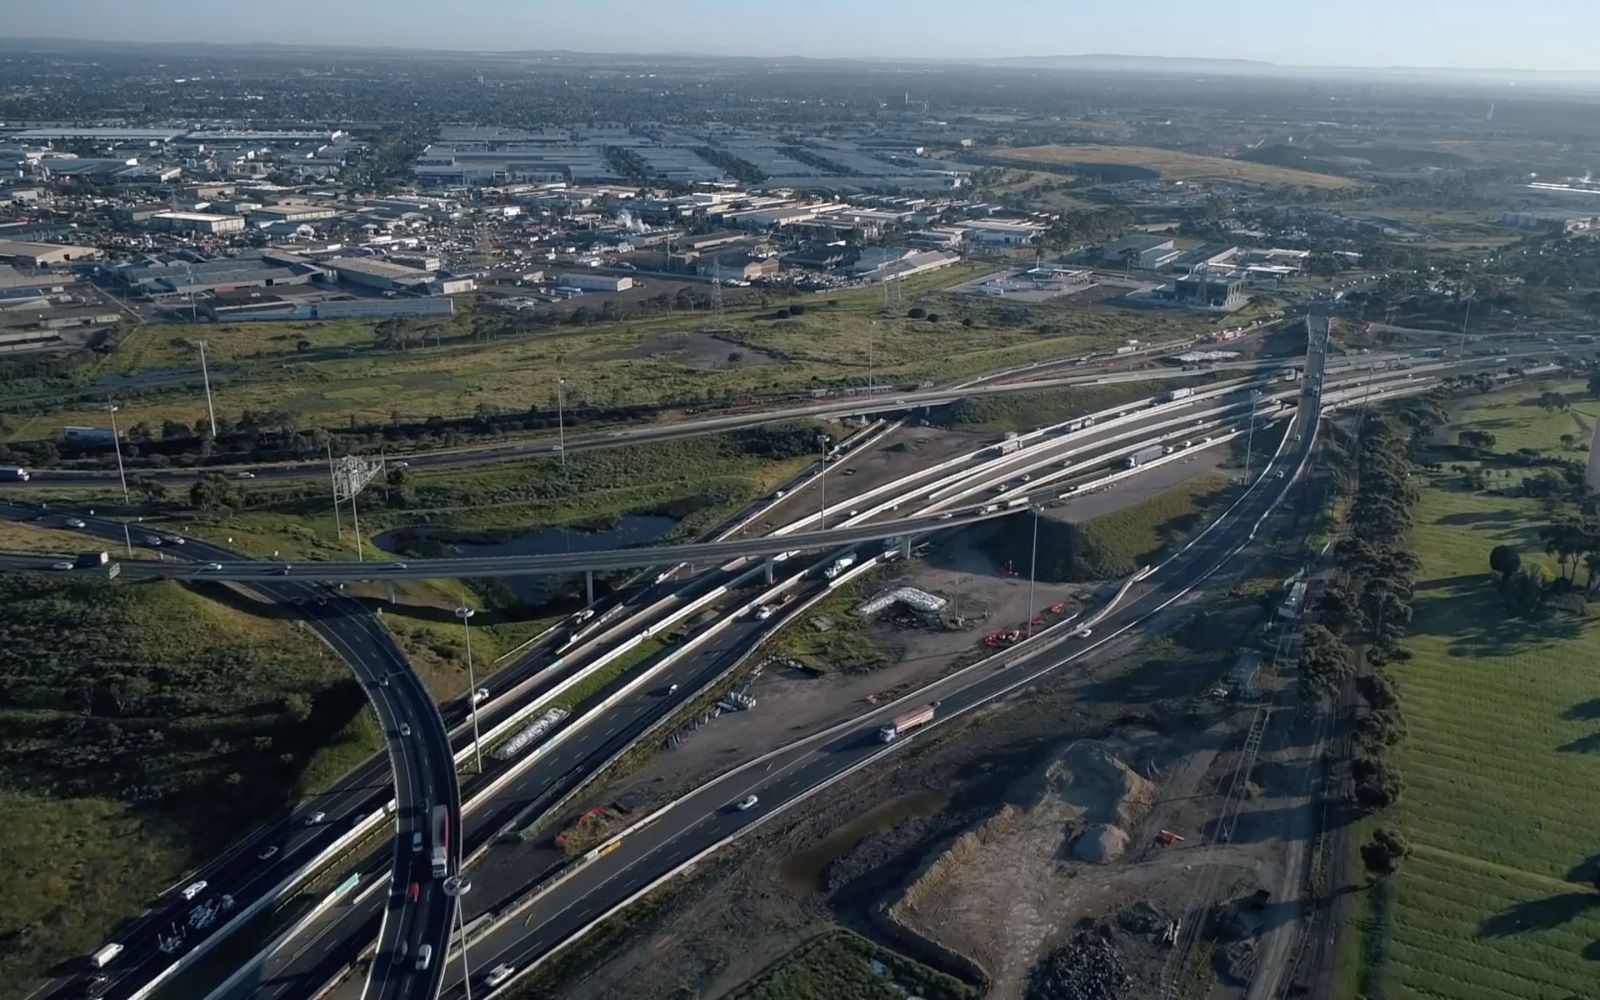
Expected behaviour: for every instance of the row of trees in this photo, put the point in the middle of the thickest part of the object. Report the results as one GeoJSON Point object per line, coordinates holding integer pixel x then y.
{"type": "Point", "coordinates": [1370, 606]}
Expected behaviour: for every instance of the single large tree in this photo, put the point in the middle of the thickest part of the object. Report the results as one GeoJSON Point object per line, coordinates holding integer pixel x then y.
{"type": "Point", "coordinates": [1505, 560]}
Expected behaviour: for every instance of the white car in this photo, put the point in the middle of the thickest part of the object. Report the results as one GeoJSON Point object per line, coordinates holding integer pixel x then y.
{"type": "Point", "coordinates": [73, 522]}
{"type": "Point", "coordinates": [194, 889]}
{"type": "Point", "coordinates": [244, 475]}
{"type": "Point", "coordinates": [499, 974]}
{"type": "Point", "coordinates": [1083, 633]}
{"type": "Point", "coordinates": [268, 853]}
{"type": "Point", "coordinates": [405, 729]}
{"type": "Point", "coordinates": [315, 818]}
{"type": "Point", "coordinates": [480, 696]}
{"type": "Point", "coordinates": [61, 565]}
{"type": "Point", "coordinates": [213, 566]}
{"type": "Point", "coordinates": [747, 803]}
{"type": "Point", "coordinates": [172, 539]}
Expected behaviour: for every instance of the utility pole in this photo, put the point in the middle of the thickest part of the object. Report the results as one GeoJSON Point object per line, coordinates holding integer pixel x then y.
{"type": "Point", "coordinates": [561, 420]}
{"type": "Point", "coordinates": [465, 614]}
{"type": "Point", "coordinates": [1461, 350]}
{"type": "Point", "coordinates": [1033, 565]}
{"type": "Point", "coordinates": [356, 521]}
{"type": "Point", "coordinates": [205, 375]}
{"type": "Point", "coordinates": [116, 441]}
{"type": "Point", "coordinates": [871, 332]}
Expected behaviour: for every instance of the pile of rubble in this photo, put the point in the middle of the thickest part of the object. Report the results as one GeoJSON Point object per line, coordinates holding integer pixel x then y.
{"type": "Point", "coordinates": [1088, 967]}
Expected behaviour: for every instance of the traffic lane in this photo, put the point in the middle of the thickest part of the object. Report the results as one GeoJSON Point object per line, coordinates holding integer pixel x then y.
{"type": "Point", "coordinates": [569, 763]}
{"type": "Point", "coordinates": [706, 552]}
{"type": "Point", "coordinates": [366, 653]}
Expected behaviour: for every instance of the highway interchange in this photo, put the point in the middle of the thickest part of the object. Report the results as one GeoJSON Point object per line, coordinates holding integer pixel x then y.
{"type": "Point", "coordinates": [424, 776]}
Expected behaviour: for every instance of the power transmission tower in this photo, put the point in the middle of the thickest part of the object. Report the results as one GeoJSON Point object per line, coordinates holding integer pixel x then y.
{"type": "Point", "coordinates": [716, 296]}
{"type": "Point", "coordinates": [350, 475]}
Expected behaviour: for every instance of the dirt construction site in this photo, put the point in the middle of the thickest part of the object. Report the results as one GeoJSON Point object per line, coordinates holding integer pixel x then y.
{"type": "Point", "coordinates": [1139, 824]}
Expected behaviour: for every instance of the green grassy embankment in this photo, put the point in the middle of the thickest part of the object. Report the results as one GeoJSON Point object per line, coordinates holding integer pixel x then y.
{"type": "Point", "coordinates": [839, 965]}
{"type": "Point", "coordinates": [142, 728]}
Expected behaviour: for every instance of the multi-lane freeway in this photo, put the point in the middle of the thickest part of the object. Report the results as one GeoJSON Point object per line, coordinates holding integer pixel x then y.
{"type": "Point", "coordinates": [685, 830]}
{"type": "Point", "coordinates": [405, 925]}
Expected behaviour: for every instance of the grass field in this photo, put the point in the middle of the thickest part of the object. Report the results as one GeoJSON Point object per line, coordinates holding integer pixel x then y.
{"type": "Point", "coordinates": [1499, 900]}
{"type": "Point", "coordinates": [1174, 165]}
{"type": "Point", "coordinates": [840, 966]}
{"type": "Point", "coordinates": [342, 376]}
{"type": "Point", "coordinates": [142, 728]}
{"type": "Point", "coordinates": [1136, 534]}
{"type": "Point", "coordinates": [1517, 421]}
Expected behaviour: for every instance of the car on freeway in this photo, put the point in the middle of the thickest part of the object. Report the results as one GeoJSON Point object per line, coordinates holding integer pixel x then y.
{"type": "Point", "coordinates": [315, 818]}
{"type": "Point", "coordinates": [747, 803]}
{"type": "Point", "coordinates": [405, 729]}
{"type": "Point", "coordinates": [499, 974]}
{"type": "Point", "coordinates": [244, 475]}
{"type": "Point", "coordinates": [153, 541]}
{"type": "Point", "coordinates": [285, 570]}
{"type": "Point", "coordinates": [413, 891]}
{"type": "Point", "coordinates": [194, 889]}
{"type": "Point", "coordinates": [1083, 633]}
{"type": "Point", "coordinates": [173, 539]}
{"type": "Point", "coordinates": [73, 522]}
{"type": "Point", "coordinates": [416, 842]}
{"type": "Point", "coordinates": [61, 565]}
{"type": "Point", "coordinates": [212, 566]}
{"type": "Point", "coordinates": [383, 681]}
{"type": "Point", "coordinates": [400, 465]}
{"type": "Point", "coordinates": [1278, 474]}
{"type": "Point", "coordinates": [480, 696]}
{"type": "Point", "coordinates": [424, 956]}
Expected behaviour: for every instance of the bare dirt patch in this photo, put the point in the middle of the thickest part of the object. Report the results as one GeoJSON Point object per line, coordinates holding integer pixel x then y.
{"type": "Point", "coordinates": [701, 351]}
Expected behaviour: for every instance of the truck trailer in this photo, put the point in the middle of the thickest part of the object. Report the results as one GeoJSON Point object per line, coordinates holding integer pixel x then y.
{"type": "Point", "coordinates": [1182, 393]}
{"type": "Point", "coordinates": [14, 474]}
{"type": "Point", "coordinates": [439, 858]}
{"type": "Point", "coordinates": [903, 724]}
{"type": "Point", "coordinates": [1143, 455]}
{"type": "Point", "coordinates": [839, 565]}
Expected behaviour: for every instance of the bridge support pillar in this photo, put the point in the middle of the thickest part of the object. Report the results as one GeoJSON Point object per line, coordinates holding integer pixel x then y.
{"type": "Point", "coordinates": [905, 548]}
{"type": "Point", "coordinates": [588, 585]}
{"type": "Point", "coordinates": [768, 567]}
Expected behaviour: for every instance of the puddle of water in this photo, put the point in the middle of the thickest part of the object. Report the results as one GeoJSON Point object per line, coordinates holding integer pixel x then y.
{"type": "Point", "coordinates": [425, 540]}
{"type": "Point", "coordinates": [804, 871]}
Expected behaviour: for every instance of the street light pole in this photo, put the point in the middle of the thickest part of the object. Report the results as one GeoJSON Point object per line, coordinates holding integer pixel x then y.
{"type": "Point", "coordinates": [457, 886]}
{"type": "Point", "coordinates": [205, 375]}
{"type": "Point", "coordinates": [822, 480]}
{"type": "Point", "coordinates": [1033, 565]}
{"type": "Point", "coordinates": [465, 614]}
{"type": "Point", "coordinates": [561, 420]}
{"type": "Point", "coordinates": [116, 442]}
{"type": "Point", "coordinates": [1250, 439]}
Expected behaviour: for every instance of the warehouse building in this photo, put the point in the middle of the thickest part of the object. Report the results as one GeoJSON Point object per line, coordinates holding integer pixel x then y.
{"type": "Point", "coordinates": [595, 282]}
{"type": "Point", "coordinates": [204, 223]}
{"type": "Point", "coordinates": [1142, 250]}
{"type": "Point", "coordinates": [372, 272]}
{"type": "Point", "coordinates": [44, 254]}
{"type": "Point", "coordinates": [268, 214]}
{"type": "Point", "coordinates": [1210, 291]}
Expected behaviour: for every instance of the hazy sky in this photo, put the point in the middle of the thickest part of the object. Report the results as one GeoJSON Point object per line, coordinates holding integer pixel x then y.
{"type": "Point", "coordinates": [1536, 34]}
